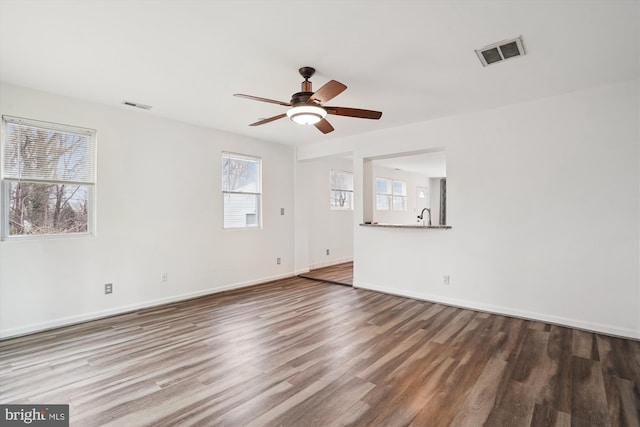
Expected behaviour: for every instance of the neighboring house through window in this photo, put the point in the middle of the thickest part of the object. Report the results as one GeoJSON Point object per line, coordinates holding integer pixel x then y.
{"type": "Point", "coordinates": [48, 178]}
{"type": "Point", "coordinates": [341, 190]}
{"type": "Point", "coordinates": [241, 190]}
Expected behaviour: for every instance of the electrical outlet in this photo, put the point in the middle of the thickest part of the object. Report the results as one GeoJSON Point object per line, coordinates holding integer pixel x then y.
{"type": "Point", "coordinates": [281, 211]}
{"type": "Point", "coordinates": [328, 251]}
{"type": "Point", "coordinates": [445, 279]}
{"type": "Point", "coordinates": [163, 277]}
{"type": "Point", "coordinates": [278, 261]}
{"type": "Point", "coordinates": [108, 288]}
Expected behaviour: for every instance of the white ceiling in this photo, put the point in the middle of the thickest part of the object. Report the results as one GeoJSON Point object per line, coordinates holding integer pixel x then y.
{"type": "Point", "coordinates": [432, 164]}
{"type": "Point", "coordinates": [413, 60]}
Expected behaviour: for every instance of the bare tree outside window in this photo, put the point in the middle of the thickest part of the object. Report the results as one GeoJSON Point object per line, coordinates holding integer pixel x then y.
{"type": "Point", "coordinates": [341, 184]}
{"type": "Point", "coordinates": [48, 175]}
{"type": "Point", "coordinates": [239, 174]}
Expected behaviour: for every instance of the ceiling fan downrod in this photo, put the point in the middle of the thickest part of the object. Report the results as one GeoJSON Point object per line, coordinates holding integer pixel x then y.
{"type": "Point", "coordinates": [306, 73]}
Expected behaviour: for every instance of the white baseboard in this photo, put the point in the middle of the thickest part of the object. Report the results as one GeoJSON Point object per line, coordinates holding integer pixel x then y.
{"type": "Point", "coordinates": [72, 320]}
{"type": "Point", "coordinates": [528, 315]}
{"type": "Point", "coordinates": [330, 263]}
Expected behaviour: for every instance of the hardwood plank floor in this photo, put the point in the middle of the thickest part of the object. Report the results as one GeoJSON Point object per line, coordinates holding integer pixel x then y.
{"type": "Point", "coordinates": [340, 274]}
{"type": "Point", "coordinates": [297, 352]}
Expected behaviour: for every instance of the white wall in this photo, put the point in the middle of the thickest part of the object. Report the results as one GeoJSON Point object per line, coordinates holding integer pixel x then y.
{"type": "Point", "coordinates": [544, 201]}
{"type": "Point", "coordinates": [159, 209]}
{"type": "Point", "coordinates": [543, 197]}
{"type": "Point", "coordinates": [322, 227]}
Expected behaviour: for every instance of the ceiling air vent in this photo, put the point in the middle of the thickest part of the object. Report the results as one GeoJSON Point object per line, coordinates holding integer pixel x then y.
{"type": "Point", "coordinates": [501, 51]}
{"type": "Point", "coordinates": [135, 104]}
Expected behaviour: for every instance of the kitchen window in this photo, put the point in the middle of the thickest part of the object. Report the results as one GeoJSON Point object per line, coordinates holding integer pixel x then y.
{"type": "Point", "coordinates": [391, 195]}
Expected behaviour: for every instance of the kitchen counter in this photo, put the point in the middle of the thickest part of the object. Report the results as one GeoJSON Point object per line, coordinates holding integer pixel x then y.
{"type": "Point", "coordinates": [418, 226]}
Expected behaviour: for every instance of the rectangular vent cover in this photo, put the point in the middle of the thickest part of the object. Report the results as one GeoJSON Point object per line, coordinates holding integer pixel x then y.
{"type": "Point", "coordinates": [137, 105]}
{"type": "Point", "coordinates": [501, 51]}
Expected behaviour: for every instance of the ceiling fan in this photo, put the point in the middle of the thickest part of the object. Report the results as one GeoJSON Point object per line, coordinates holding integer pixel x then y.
{"type": "Point", "coordinates": [307, 108]}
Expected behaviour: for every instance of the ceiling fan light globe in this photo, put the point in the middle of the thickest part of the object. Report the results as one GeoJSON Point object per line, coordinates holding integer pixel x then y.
{"type": "Point", "coordinates": [306, 118]}
{"type": "Point", "coordinates": [306, 114]}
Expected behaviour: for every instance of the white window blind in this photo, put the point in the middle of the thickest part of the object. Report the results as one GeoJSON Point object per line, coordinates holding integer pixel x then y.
{"type": "Point", "coordinates": [39, 151]}
{"type": "Point", "coordinates": [48, 175]}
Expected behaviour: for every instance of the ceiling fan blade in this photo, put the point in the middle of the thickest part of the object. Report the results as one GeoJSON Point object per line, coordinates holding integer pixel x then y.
{"type": "Point", "coordinates": [257, 98]}
{"type": "Point", "coordinates": [270, 119]}
{"type": "Point", "coordinates": [327, 92]}
{"type": "Point", "coordinates": [354, 112]}
{"type": "Point", "coordinates": [324, 126]}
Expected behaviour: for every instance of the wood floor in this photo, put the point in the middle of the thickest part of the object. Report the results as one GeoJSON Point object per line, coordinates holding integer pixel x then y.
{"type": "Point", "coordinates": [341, 274]}
{"type": "Point", "coordinates": [303, 353]}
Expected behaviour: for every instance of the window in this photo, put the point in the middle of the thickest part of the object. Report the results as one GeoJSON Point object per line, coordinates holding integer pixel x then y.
{"type": "Point", "coordinates": [383, 194]}
{"type": "Point", "coordinates": [391, 195]}
{"type": "Point", "coordinates": [48, 177]}
{"type": "Point", "coordinates": [241, 190]}
{"type": "Point", "coordinates": [341, 190]}
{"type": "Point", "coordinates": [399, 196]}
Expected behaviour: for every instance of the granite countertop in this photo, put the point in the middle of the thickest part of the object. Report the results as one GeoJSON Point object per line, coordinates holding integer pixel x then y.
{"type": "Point", "coordinates": [420, 226]}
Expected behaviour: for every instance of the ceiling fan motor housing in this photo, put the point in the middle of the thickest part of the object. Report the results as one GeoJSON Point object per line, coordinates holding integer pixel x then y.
{"type": "Point", "coordinates": [300, 97]}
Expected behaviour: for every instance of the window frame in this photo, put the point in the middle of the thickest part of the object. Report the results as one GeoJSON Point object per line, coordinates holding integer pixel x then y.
{"type": "Point", "coordinates": [332, 189]}
{"type": "Point", "coordinates": [395, 195]}
{"type": "Point", "coordinates": [258, 194]}
{"type": "Point", "coordinates": [391, 195]}
{"type": "Point", "coordinates": [6, 181]}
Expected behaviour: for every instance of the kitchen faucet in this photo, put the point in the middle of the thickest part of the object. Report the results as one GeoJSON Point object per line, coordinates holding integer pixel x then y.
{"type": "Point", "coordinates": [421, 216]}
